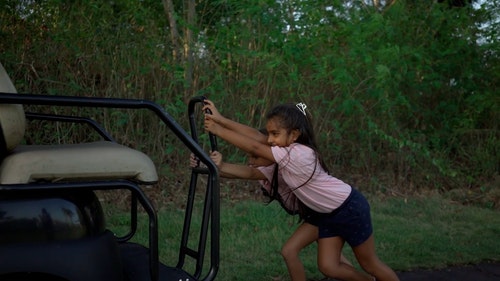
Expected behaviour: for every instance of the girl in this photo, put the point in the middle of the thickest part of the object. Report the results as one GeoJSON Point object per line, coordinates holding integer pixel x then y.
{"type": "Point", "coordinates": [340, 212]}
{"type": "Point", "coordinates": [257, 169]}
{"type": "Point", "coordinates": [276, 189]}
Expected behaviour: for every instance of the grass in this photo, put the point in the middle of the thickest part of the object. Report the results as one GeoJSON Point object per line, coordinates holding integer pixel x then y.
{"type": "Point", "coordinates": [418, 232]}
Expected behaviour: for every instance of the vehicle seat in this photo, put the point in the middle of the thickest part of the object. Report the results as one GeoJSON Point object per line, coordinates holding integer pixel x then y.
{"type": "Point", "coordinates": [98, 160]}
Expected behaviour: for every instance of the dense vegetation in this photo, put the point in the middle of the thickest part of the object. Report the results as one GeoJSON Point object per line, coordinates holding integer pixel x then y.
{"type": "Point", "coordinates": [404, 93]}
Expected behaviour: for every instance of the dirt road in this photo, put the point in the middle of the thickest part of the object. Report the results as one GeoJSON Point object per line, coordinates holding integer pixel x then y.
{"type": "Point", "coordinates": [478, 272]}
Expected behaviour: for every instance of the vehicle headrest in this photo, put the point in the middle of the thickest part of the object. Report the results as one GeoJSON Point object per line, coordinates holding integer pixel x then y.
{"type": "Point", "coordinates": [12, 118]}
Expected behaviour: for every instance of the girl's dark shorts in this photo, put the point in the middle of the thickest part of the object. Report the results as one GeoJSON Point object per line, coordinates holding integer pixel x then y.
{"type": "Point", "coordinates": [351, 221]}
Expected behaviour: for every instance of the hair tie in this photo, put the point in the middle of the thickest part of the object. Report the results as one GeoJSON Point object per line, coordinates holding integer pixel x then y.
{"type": "Point", "coordinates": [302, 107]}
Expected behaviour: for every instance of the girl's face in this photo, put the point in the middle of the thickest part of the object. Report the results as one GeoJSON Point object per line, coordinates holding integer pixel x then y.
{"type": "Point", "coordinates": [279, 136]}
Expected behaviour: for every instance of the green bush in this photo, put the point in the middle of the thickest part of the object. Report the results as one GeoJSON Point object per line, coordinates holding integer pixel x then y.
{"type": "Point", "coordinates": [404, 96]}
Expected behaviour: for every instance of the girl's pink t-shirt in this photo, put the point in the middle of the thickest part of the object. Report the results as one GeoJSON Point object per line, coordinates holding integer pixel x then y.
{"type": "Point", "coordinates": [321, 192]}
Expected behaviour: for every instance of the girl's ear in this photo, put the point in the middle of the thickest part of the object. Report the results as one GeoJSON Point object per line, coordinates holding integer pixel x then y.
{"type": "Point", "coordinates": [295, 134]}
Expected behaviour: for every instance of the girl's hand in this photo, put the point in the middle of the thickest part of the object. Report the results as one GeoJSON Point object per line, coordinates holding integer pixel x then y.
{"type": "Point", "coordinates": [210, 125]}
{"type": "Point", "coordinates": [216, 116]}
{"type": "Point", "coordinates": [193, 161]}
{"type": "Point", "coordinates": [216, 157]}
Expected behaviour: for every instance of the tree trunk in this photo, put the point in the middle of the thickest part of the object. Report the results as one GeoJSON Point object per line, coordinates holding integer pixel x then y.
{"type": "Point", "coordinates": [188, 49]}
{"type": "Point", "coordinates": [168, 5]}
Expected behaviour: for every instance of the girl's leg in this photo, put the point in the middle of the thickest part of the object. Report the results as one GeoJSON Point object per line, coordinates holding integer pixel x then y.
{"type": "Point", "coordinates": [329, 261]}
{"type": "Point", "coordinates": [368, 260]}
{"type": "Point", "coordinates": [304, 235]}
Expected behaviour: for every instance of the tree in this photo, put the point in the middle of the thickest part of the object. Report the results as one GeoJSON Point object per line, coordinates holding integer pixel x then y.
{"type": "Point", "coordinates": [404, 92]}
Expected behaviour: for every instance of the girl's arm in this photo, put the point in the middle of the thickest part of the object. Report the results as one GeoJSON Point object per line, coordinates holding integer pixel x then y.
{"type": "Point", "coordinates": [243, 142]}
{"type": "Point", "coordinates": [235, 171]}
{"type": "Point", "coordinates": [233, 125]}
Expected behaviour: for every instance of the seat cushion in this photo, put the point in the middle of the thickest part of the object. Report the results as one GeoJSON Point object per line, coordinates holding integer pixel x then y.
{"type": "Point", "coordinates": [87, 161]}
